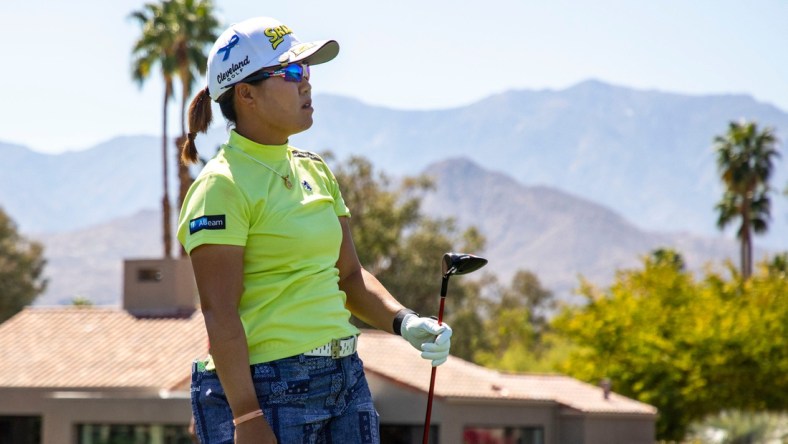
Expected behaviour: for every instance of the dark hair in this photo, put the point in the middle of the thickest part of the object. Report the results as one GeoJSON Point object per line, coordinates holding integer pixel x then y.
{"type": "Point", "coordinates": [200, 117]}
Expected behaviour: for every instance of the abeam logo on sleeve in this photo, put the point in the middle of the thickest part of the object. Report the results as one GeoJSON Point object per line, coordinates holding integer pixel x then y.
{"type": "Point", "coordinates": [207, 223]}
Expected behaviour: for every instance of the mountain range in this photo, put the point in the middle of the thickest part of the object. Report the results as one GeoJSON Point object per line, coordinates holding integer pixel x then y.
{"type": "Point", "coordinates": [556, 235]}
{"type": "Point", "coordinates": [646, 154]}
{"type": "Point", "coordinates": [577, 181]}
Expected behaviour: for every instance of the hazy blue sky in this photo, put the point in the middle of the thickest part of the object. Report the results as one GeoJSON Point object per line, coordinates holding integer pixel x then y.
{"type": "Point", "coordinates": [65, 64]}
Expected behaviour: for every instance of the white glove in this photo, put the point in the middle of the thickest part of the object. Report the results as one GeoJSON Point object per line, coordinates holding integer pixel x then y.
{"type": "Point", "coordinates": [431, 339]}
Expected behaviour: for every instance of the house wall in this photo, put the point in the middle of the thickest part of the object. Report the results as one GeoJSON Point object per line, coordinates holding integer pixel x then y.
{"type": "Point", "coordinates": [455, 417]}
{"type": "Point", "coordinates": [400, 404]}
{"type": "Point", "coordinates": [570, 430]}
{"type": "Point", "coordinates": [584, 428]}
{"type": "Point", "coordinates": [62, 411]}
{"type": "Point", "coordinates": [396, 404]}
{"type": "Point", "coordinates": [21, 401]}
{"type": "Point", "coordinates": [619, 430]}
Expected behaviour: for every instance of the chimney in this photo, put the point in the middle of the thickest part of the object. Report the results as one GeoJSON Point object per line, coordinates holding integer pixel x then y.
{"type": "Point", "coordinates": [606, 385]}
{"type": "Point", "coordinates": [159, 288]}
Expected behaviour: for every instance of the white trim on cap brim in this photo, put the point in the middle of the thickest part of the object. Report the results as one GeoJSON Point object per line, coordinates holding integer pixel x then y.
{"type": "Point", "coordinates": [320, 51]}
{"type": "Point", "coordinates": [325, 52]}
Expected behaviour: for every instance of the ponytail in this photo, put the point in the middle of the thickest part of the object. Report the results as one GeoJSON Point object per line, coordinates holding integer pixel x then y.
{"type": "Point", "coordinates": [199, 119]}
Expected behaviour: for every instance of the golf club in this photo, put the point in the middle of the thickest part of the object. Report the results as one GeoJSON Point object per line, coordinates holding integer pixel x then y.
{"type": "Point", "coordinates": [453, 263]}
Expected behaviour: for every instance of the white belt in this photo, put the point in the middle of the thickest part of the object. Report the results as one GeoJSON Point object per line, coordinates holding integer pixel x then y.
{"type": "Point", "coordinates": [337, 348]}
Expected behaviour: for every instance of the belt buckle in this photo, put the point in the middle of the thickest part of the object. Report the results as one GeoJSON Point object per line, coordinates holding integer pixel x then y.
{"type": "Point", "coordinates": [336, 348]}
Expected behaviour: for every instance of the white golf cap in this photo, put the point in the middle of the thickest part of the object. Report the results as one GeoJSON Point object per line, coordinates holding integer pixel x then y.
{"type": "Point", "coordinates": [258, 43]}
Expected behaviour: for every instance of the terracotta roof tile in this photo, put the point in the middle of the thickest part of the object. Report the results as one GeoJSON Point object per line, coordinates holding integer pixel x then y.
{"type": "Point", "coordinates": [99, 348]}
{"type": "Point", "coordinates": [79, 347]}
{"type": "Point", "coordinates": [393, 358]}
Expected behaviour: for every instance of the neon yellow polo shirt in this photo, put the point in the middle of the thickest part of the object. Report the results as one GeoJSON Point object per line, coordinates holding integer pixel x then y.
{"type": "Point", "coordinates": [291, 301]}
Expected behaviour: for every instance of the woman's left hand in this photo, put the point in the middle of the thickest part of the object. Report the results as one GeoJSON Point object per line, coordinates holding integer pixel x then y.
{"type": "Point", "coordinates": [429, 337]}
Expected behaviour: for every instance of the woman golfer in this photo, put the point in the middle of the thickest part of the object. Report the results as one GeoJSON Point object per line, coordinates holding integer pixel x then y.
{"type": "Point", "coordinates": [269, 238]}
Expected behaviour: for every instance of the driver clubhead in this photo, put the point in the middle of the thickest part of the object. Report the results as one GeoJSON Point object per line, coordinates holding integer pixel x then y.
{"type": "Point", "coordinates": [461, 263]}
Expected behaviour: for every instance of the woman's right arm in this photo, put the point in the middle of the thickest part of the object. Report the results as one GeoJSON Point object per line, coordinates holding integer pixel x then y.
{"type": "Point", "coordinates": [218, 270]}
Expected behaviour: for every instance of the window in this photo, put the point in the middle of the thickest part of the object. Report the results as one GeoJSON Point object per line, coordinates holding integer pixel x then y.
{"type": "Point", "coordinates": [149, 275]}
{"type": "Point", "coordinates": [20, 429]}
{"type": "Point", "coordinates": [406, 434]}
{"type": "Point", "coordinates": [503, 435]}
{"type": "Point", "coordinates": [132, 434]}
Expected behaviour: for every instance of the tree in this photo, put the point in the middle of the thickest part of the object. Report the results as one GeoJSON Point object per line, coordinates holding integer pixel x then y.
{"type": "Point", "coordinates": [690, 347]}
{"type": "Point", "coordinates": [194, 28]}
{"type": "Point", "coordinates": [668, 257]}
{"type": "Point", "coordinates": [740, 427]}
{"type": "Point", "coordinates": [81, 301]}
{"type": "Point", "coordinates": [380, 213]}
{"type": "Point", "coordinates": [516, 325]}
{"type": "Point", "coordinates": [397, 243]}
{"type": "Point", "coordinates": [155, 47]}
{"type": "Point", "coordinates": [175, 34]}
{"type": "Point", "coordinates": [778, 266]}
{"type": "Point", "coordinates": [21, 267]}
{"type": "Point", "coordinates": [526, 291]}
{"type": "Point", "coordinates": [403, 248]}
{"type": "Point", "coordinates": [745, 159]}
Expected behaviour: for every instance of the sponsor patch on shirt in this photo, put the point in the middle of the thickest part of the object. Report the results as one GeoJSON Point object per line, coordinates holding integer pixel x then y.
{"type": "Point", "coordinates": [215, 222]}
{"type": "Point", "coordinates": [307, 155]}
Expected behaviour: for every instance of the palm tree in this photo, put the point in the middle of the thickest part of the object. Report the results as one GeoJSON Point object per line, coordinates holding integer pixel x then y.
{"type": "Point", "coordinates": [745, 159]}
{"type": "Point", "coordinates": [196, 28]}
{"type": "Point", "coordinates": [175, 34]}
{"type": "Point", "coordinates": [154, 47]}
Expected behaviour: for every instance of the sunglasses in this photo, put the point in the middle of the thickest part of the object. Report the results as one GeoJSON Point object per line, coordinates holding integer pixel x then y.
{"type": "Point", "coordinates": [291, 73]}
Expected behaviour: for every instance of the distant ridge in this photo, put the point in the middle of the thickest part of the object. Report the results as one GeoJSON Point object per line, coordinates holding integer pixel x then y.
{"type": "Point", "coordinates": [88, 262]}
{"type": "Point", "coordinates": [55, 193]}
{"type": "Point", "coordinates": [554, 234]}
{"type": "Point", "coordinates": [595, 155]}
{"type": "Point", "coordinates": [647, 154]}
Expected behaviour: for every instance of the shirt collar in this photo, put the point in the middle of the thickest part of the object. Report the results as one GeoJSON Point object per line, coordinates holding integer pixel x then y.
{"type": "Point", "coordinates": [258, 150]}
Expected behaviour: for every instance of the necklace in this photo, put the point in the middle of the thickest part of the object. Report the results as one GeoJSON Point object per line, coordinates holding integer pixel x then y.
{"type": "Point", "coordinates": [285, 178]}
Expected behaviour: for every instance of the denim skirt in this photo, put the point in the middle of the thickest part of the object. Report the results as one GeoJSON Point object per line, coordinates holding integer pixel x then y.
{"type": "Point", "coordinates": [305, 399]}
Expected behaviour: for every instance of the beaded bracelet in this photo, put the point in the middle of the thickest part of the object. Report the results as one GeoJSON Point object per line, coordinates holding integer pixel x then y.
{"type": "Point", "coordinates": [247, 417]}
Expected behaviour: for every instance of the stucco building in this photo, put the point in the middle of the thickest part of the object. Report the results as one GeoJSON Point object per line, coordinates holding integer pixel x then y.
{"type": "Point", "coordinates": [83, 375]}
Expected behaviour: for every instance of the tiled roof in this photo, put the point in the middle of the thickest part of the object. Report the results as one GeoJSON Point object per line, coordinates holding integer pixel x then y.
{"type": "Point", "coordinates": [83, 347]}
{"type": "Point", "coordinates": [394, 359]}
{"type": "Point", "coordinates": [100, 348]}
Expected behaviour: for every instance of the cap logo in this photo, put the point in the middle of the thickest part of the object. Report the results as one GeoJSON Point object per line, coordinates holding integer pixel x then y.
{"type": "Point", "coordinates": [298, 50]}
{"type": "Point", "coordinates": [234, 70]}
{"type": "Point", "coordinates": [226, 48]}
{"type": "Point", "coordinates": [277, 35]}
